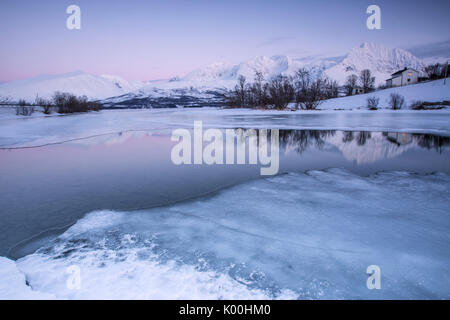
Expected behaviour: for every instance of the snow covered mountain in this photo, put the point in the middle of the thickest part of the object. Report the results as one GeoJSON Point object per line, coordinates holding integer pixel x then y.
{"type": "Point", "coordinates": [381, 61]}
{"type": "Point", "coordinates": [78, 82]}
{"type": "Point", "coordinates": [269, 66]}
{"type": "Point", "coordinates": [121, 83]}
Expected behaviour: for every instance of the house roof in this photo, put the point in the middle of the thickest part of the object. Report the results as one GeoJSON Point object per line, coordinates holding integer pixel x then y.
{"type": "Point", "coordinates": [401, 71]}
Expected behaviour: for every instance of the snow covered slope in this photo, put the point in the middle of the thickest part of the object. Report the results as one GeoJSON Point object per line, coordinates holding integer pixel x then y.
{"type": "Point", "coordinates": [78, 83]}
{"type": "Point", "coordinates": [121, 83]}
{"type": "Point", "coordinates": [168, 97]}
{"type": "Point", "coordinates": [433, 91]}
{"type": "Point", "coordinates": [380, 60]}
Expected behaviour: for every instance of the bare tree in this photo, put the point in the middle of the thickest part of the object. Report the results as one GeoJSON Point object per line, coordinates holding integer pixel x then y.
{"type": "Point", "coordinates": [281, 92]}
{"type": "Point", "coordinates": [396, 101]}
{"type": "Point", "coordinates": [351, 83]}
{"type": "Point", "coordinates": [24, 109]}
{"type": "Point", "coordinates": [69, 103]}
{"type": "Point", "coordinates": [258, 89]}
{"type": "Point", "coordinates": [331, 88]}
{"type": "Point", "coordinates": [241, 91]}
{"type": "Point", "coordinates": [302, 82]}
{"type": "Point", "coordinates": [246, 94]}
{"type": "Point", "coordinates": [367, 81]}
{"type": "Point", "coordinates": [434, 71]}
{"type": "Point", "coordinates": [265, 94]}
{"type": "Point", "coordinates": [309, 93]}
{"type": "Point", "coordinates": [45, 104]}
{"type": "Point", "coordinates": [372, 103]}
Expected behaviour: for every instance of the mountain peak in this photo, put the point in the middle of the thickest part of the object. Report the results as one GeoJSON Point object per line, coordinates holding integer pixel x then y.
{"type": "Point", "coordinates": [366, 44]}
{"type": "Point", "coordinates": [371, 46]}
{"type": "Point", "coordinates": [380, 60]}
{"type": "Point", "coordinates": [269, 66]}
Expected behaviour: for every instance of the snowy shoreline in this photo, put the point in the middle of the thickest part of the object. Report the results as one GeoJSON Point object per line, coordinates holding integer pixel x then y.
{"type": "Point", "coordinates": [346, 113]}
{"type": "Point", "coordinates": [37, 130]}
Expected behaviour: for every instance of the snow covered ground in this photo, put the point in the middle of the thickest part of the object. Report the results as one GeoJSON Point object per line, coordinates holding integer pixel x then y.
{"type": "Point", "coordinates": [433, 91]}
{"type": "Point", "coordinates": [298, 236]}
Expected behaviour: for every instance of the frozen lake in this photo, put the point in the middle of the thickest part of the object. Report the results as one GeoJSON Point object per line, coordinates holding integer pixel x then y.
{"type": "Point", "coordinates": [38, 130]}
{"type": "Point", "coordinates": [138, 226]}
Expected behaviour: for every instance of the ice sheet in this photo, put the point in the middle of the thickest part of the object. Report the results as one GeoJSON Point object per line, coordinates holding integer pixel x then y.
{"type": "Point", "coordinates": [307, 235]}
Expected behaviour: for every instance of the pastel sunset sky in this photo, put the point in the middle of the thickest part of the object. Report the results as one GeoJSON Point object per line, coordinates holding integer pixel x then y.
{"type": "Point", "coordinates": [157, 39]}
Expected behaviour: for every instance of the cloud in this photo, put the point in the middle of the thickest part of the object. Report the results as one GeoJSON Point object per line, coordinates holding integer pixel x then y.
{"type": "Point", "coordinates": [275, 40]}
{"type": "Point", "coordinates": [436, 49]}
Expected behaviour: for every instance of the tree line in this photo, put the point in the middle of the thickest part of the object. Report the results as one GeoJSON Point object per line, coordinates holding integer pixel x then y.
{"type": "Point", "coordinates": [365, 81]}
{"type": "Point", "coordinates": [303, 89]}
{"type": "Point", "coordinates": [61, 102]}
{"type": "Point", "coordinates": [437, 71]}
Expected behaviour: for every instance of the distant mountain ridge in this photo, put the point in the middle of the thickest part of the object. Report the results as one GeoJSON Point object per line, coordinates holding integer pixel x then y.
{"type": "Point", "coordinates": [382, 62]}
{"type": "Point", "coordinates": [78, 82]}
{"type": "Point", "coordinates": [270, 67]}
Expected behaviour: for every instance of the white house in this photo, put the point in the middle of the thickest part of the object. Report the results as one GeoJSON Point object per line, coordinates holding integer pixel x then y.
{"type": "Point", "coordinates": [403, 78]}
